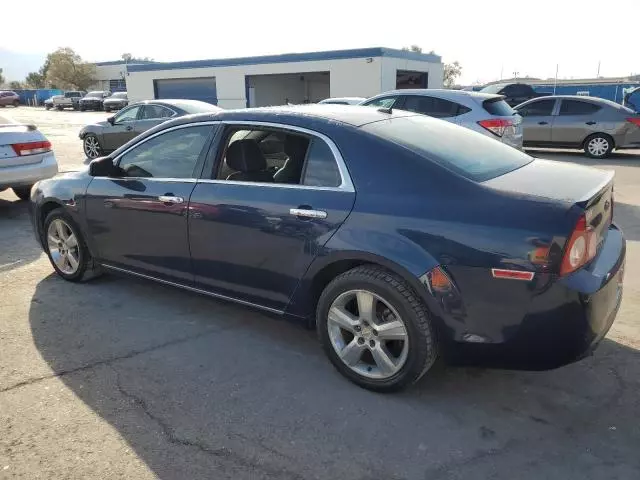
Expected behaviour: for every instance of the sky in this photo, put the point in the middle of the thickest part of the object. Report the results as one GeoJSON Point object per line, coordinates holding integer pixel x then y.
{"type": "Point", "coordinates": [487, 38]}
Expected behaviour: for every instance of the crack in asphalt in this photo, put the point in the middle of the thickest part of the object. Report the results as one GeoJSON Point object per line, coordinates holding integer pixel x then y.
{"type": "Point", "coordinates": [223, 453]}
{"type": "Point", "coordinates": [108, 361]}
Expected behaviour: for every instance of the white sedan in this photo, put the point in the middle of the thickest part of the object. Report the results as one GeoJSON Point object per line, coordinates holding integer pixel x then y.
{"type": "Point", "coordinates": [25, 158]}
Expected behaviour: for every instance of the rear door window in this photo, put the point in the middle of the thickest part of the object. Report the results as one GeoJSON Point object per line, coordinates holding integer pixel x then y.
{"type": "Point", "coordinates": [475, 157]}
{"type": "Point", "coordinates": [577, 107]}
{"type": "Point", "coordinates": [432, 106]}
{"type": "Point", "coordinates": [540, 108]}
{"type": "Point", "coordinates": [321, 169]}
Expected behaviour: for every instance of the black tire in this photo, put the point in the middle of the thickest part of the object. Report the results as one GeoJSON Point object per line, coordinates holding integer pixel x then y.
{"type": "Point", "coordinates": [59, 108]}
{"type": "Point", "coordinates": [82, 108]}
{"type": "Point", "coordinates": [23, 193]}
{"type": "Point", "coordinates": [395, 291]}
{"type": "Point", "coordinates": [87, 267]}
{"type": "Point", "coordinates": [47, 107]}
{"type": "Point", "coordinates": [601, 140]}
{"type": "Point", "coordinates": [87, 150]}
{"type": "Point", "coordinates": [16, 104]}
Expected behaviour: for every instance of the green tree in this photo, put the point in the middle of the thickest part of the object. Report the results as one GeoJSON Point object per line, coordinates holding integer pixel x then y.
{"type": "Point", "coordinates": [67, 70]}
{"type": "Point", "coordinates": [35, 80]}
{"type": "Point", "coordinates": [413, 48]}
{"type": "Point", "coordinates": [451, 73]}
{"type": "Point", "coordinates": [15, 85]}
{"type": "Point", "coordinates": [1, 77]}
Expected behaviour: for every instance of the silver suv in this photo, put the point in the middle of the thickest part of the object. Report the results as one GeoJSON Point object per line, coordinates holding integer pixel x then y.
{"type": "Point", "coordinates": [483, 112]}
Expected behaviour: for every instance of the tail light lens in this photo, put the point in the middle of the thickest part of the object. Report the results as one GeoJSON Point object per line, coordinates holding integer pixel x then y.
{"type": "Point", "coordinates": [580, 249]}
{"type": "Point", "coordinates": [634, 120]}
{"type": "Point", "coordinates": [31, 148]}
{"type": "Point", "coordinates": [497, 126]}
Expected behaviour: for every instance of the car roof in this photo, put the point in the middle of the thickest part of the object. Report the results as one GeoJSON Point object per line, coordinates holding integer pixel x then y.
{"type": "Point", "coordinates": [354, 115]}
{"type": "Point", "coordinates": [354, 99]}
{"type": "Point", "coordinates": [584, 98]}
{"type": "Point", "coordinates": [177, 102]}
{"type": "Point", "coordinates": [441, 93]}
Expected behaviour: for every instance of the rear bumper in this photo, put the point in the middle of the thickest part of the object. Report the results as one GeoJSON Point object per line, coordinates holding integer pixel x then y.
{"type": "Point", "coordinates": [565, 320]}
{"type": "Point", "coordinates": [25, 175]}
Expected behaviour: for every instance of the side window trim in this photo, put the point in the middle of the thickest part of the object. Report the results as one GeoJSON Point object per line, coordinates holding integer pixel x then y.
{"type": "Point", "coordinates": [346, 184]}
{"type": "Point", "coordinates": [197, 171]}
{"type": "Point", "coordinates": [395, 98]}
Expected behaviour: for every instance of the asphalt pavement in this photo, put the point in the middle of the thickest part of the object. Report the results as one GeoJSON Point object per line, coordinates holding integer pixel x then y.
{"type": "Point", "coordinates": [123, 378]}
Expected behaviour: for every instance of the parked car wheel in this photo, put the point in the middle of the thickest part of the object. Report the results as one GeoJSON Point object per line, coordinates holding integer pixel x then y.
{"type": "Point", "coordinates": [82, 108]}
{"type": "Point", "coordinates": [23, 193]}
{"type": "Point", "coordinates": [375, 330]}
{"type": "Point", "coordinates": [47, 106]}
{"type": "Point", "coordinates": [67, 249]}
{"type": "Point", "coordinates": [16, 104]}
{"type": "Point", "coordinates": [59, 108]}
{"type": "Point", "coordinates": [598, 145]}
{"type": "Point", "coordinates": [91, 146]}
{"type": "Point", "coordinates": [106, 109]}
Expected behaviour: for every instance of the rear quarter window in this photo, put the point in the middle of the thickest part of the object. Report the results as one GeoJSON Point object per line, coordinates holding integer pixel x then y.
{"type": "Point", "coordinates": [462, 151]}
{"type": "Point", "coordinates": [498, 107]}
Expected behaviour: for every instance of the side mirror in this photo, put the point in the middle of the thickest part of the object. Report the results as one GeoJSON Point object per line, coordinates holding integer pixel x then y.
{"type": "Point", "coordinates": [111, 120]}
{"type": "Point", "coordinates": [102, 167]}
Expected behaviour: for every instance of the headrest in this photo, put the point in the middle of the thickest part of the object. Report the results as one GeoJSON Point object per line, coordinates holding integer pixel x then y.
{"type": "Point", "coordinates": [295, 146]}
{"type": "Point", "coordinates": [245, 156]}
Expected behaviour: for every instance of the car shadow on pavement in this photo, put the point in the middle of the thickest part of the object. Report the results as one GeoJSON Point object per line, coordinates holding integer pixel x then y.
{"type": "Point", "coordinates": [203, 389]}
{"type": "Point", "coordinates": [18, 245]}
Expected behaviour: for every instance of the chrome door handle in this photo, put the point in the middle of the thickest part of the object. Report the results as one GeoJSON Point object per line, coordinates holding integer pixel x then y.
{"type": "Point", "coordinates": [303, 212]}
{"type": "Point", "coordinates": [170, 199]}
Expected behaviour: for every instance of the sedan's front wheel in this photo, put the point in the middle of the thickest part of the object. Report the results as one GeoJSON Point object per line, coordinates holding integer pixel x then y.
{"type": "Point", "coordinates": [375, 330]}
{"type": "Point", "coordinates": [91, 146]}
{"type": "Point", "coordinates": [66, 248]}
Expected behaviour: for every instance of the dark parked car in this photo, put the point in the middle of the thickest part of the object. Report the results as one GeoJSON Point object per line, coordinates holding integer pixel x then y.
{"type": "Point", "coordinates": [514, 93]}
{"type": "Point", "coordinates": [568, 121]}
{"type": "Point", "coordinates": [461, 246]}
{"type": "Point", "coordinates": [9, 98]}
{"type": "Point", "coordinates": [93, 100]}
{"type": "Point", "coordinates": [104, 137]}
{"type": "Point", "coordinates": [115, 102]}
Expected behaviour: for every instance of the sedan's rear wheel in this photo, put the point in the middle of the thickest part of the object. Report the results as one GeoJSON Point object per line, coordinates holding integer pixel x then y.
{"type": "Point", "coordinates": [91, 146]}
{"type": "Point", "coordinates": [598, 145]}
{"type": "Point", "coordinates": [66, 248]}
{"type": "Point", "coordinates": [375, 330]}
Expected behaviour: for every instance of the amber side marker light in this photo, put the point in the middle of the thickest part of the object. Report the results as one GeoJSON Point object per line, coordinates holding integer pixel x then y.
{"type": "Point", "coordinates": [512, 274]}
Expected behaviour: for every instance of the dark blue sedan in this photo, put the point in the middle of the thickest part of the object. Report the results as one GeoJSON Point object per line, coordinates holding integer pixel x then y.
{"type": "Point", "coordinates": [402, 237]}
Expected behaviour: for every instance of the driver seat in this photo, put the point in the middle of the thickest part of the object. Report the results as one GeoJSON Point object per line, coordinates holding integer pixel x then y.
{"type": "Point", "coordinates": [245, 157]}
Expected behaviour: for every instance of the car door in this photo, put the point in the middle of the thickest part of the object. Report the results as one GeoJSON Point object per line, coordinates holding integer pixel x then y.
{"type": "Point", "coordinates": [253, 240]}
{"type": "Point", "coordinates": [537, 121]}
{"type": "Point", "coordinates": [121, 129]}
{"type": "Point", "coordinates": [576, 120]}
{"type": "Point", "coordinates": [138, 219]}
{"type": "Point", "coordinates": [152, 115]}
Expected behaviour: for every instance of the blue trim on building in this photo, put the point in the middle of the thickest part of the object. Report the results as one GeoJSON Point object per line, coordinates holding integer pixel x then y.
{"type": "Point", "coordinates": [288, 58]}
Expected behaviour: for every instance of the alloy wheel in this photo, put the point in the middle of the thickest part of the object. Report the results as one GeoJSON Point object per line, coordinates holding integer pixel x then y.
{"type": "Point", "coordinates": [368, 334]}
{"type": "Point", "coordinates": [91, 147]}
{"type": "Point", "coordinates": [598, 146]}
{"type": "Point", "coordinates": [63, 246]}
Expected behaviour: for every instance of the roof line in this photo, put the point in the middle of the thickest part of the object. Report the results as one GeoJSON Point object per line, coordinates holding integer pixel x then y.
{"type": "Point", "coordinates": [289, 58]}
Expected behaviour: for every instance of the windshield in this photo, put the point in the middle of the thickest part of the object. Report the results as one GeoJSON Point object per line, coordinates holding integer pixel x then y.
{"type": "Point", "coordinates": [119, 95]}
{"type": "Point", "coordinates": [467, 153]}
{"type": "Point", "coordinates": [94, 95]}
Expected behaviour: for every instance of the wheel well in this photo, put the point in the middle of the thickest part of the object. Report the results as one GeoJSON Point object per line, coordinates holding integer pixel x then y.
{"type": "Point", "coordinates": [45, 209]}
{"type": "Point", "coordinates": [613, 142]}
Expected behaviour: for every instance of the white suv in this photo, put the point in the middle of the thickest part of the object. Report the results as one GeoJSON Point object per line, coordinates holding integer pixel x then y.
{"type": "Point", "coordinates": [485, 113]}
{"type": "Point", "coordinates": [25, 158]}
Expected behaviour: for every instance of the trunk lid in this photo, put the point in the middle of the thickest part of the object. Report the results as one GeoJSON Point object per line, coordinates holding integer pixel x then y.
{"type": "Point", "coordinates": [11, 134]}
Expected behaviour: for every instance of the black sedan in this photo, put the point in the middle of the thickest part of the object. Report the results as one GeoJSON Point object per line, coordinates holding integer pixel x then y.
{"type": "Point", "coordinates": [115, 102]}
{"type": "Point", "coordinates": [103, 137]}
{"type": "Point", "coordinates": [401, 237]}
{"type": "Point", "coordinates": [93, 100]}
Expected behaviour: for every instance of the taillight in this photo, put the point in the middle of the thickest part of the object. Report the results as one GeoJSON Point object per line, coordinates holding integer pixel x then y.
{"type": "Point", "coordinates": [634, 120]}
{"type": "Point", "coordinates": [497, 126]}
{"type": "Point", "coordinates": [580, 249]}
{"type": "Point", "coordinates": [31, 148]}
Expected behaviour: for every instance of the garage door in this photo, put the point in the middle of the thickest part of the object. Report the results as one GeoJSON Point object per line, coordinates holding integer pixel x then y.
{"type": "Point", "coordinates": [203, 89]}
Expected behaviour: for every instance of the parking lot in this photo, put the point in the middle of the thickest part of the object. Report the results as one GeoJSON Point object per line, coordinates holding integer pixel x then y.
{"type": "Point", "coordinates": [122, 378]}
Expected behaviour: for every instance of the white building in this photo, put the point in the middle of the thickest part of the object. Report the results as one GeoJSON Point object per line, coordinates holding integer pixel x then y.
{"type": "Point", "coordinates": [289, 78]}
